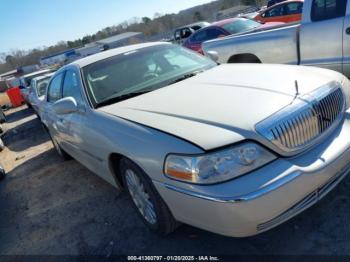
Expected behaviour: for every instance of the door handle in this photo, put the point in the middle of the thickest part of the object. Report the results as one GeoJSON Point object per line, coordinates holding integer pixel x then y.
{"type": "Point", "coordinates": [347, 31]}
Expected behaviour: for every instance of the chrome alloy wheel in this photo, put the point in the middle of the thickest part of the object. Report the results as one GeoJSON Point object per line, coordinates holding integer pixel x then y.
{"type": "Point", "coordinates": [140, 197]}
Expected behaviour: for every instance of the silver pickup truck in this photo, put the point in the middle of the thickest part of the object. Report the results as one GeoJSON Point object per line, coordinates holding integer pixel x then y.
{"type": "Point", "coordinates": [321, 39]}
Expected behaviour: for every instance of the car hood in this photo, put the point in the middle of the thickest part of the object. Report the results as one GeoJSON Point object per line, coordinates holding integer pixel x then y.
{"type": "Point", "coordinates": [222, 105]}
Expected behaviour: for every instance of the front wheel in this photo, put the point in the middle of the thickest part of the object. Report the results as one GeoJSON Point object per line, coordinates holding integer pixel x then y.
{"type": "Point", "coordinates": [149, 204]}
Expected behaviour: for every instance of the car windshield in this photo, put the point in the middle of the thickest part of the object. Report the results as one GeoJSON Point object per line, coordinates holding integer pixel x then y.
{"type": "Point", "coordinates": [240, 25]}
{"type": "Point", "coordinates": [41, 86]}
{"type": "Point", "coordinates": [139, 71]}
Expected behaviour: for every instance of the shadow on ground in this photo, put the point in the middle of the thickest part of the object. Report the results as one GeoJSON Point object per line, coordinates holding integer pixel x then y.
{"type": "Point", "coordinates": [25, 135]}
{"type": "Point", "coordinates": [13, 116]}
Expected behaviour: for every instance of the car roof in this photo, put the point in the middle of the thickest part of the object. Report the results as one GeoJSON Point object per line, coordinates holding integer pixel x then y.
{"type": "Point", "coordinates": [201, 23]}
{"type": "Point", "coordinates": [228, 20]}
{"type": "Point", "coordinates": [113, 52]}
{"type": "Point", "coordinates": [283, 3]}
{"type": "Point", "coordinates": [37, 73]}
{"type": "Point", "coordinates": [43, 76]}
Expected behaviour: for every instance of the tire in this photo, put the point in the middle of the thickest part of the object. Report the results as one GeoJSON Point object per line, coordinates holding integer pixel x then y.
{"type": "Point", "coordinates": [2, 173]}
{"type": "Point", "coordinates": [58, 149]}
{"type": "Point", "coordinates": [164, 222]}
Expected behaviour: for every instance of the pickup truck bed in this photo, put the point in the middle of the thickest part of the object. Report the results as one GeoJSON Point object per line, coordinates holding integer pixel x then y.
{"type": "Point", "coordinates": [321, 39]}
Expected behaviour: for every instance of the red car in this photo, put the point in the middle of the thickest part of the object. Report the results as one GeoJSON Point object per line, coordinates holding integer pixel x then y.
{"type": "Point", "coordinates": [288, 12]}
{"type": "Point", "coordinates": [223, 28]}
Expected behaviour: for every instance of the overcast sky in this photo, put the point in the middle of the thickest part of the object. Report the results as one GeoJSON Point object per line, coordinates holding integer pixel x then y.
{"type": "Point", "coordinates": [26, 24]}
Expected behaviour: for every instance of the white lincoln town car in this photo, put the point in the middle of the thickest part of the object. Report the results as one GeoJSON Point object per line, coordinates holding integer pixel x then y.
{"type": "Point", "coordinates": [235, 149]}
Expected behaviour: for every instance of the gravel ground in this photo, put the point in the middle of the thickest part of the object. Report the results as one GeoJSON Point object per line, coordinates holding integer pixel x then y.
{"type": "Point", "coordinates": [52, 207]}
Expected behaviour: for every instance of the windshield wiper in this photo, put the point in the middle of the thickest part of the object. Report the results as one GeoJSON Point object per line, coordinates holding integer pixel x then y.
{"type": "Point", "coordinates": [185, 76]}
{"type": "Point", "coordinates": [116, 99]}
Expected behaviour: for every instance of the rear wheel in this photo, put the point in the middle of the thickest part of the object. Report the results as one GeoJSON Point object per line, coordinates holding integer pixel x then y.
{"type": "Point", "coordinates": [149, 204]}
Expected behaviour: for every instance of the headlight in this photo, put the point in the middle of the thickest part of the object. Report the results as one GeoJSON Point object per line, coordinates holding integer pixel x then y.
{"type": "Point", "coordinates": [217, 166]}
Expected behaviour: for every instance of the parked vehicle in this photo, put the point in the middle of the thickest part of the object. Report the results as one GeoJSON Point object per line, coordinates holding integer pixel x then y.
{"type": "Point", "coordinates": [26, 79]}
{"type": "Point", "coordinates": [287, 12]}
{"type": "Point", "coordinates": [221, 29]}
{"type": "Point", "coordinates": [182, 33]}
{"type": "Point", "coordinates": [37, 92]}
{"type": "Point", "coordinates": [299, 44]}
{"type": "Point", "coordinates": [204, 144]}
{"type": "Point", "coordinates": [273, 2]}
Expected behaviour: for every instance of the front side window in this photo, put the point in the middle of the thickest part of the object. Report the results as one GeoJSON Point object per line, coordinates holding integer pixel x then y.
{"type": "Point", "coordinates": [54, 93]}
{"type": "Point", "coordinates": [141, 70]}
{"type": "Point", "coordinates": [327, 9]}
{"type": "Point", "coordinates": [277, 11]}
{"type": "Point", "coordinates": [71, 86]}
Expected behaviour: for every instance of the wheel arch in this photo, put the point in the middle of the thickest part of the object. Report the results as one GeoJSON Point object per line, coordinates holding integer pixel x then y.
{"type": "Point", "coordinates": [244, 58]}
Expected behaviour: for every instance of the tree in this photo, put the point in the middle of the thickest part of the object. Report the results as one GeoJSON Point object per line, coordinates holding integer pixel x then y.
{"type": "Point", "coordinates": [86, 39]}
{"type": "Point", "coordinates": [197, 16]}
{"type": "Point", "coordinates": [10, 60]}
{"type": "Point", "coordinates": [146, 20]}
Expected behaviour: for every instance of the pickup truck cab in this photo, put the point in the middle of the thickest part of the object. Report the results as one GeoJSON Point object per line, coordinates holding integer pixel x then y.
{"type": "Point", "coordinates": [321, 39]}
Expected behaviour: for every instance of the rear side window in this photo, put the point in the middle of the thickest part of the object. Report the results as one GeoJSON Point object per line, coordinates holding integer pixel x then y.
{"type": "Point", "coordinates": [327, 9]}
{"type": "Point", "coordinates": [71, 86]}
{"type": "Point", "coordinates": [207, 34]}
{"type": "Point", "coordinates": [54, 92]}
{"type": "Point", "coordinates": [293, 8]}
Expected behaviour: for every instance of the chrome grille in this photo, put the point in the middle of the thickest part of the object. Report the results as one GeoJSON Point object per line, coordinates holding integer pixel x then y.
{"type": "Point", "coordinates": [301, 122]}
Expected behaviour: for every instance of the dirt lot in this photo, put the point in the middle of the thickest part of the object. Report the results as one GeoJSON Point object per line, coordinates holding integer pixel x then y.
{"type": "Point", "coordinates": [4, 99]}
{"type": "Point", "coordinates": [52, 207]}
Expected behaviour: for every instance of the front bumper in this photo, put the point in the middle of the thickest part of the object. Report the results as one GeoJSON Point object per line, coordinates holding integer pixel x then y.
{"type": "Point", "coordinates": [265, 198]}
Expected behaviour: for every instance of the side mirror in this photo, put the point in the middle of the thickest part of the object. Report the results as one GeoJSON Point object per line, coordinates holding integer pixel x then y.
{"type": "Point", "coordinates": [65, 105]}
{"type": "Point", "coordinates": [213, 55]}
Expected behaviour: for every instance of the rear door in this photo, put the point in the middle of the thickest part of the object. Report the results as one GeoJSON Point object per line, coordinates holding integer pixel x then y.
{"type": "Point", "coordinates": [321, 33]}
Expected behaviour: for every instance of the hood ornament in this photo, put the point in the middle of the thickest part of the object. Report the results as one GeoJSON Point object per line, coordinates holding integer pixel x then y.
{"type": "Point", "coordinates": [296, 89]}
